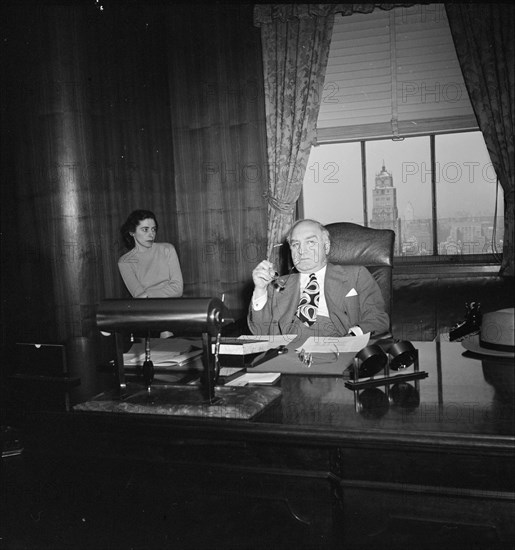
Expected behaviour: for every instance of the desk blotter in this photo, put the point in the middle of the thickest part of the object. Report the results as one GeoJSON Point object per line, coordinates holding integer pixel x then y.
{"type": "Point", "coordinates": [289, 363]}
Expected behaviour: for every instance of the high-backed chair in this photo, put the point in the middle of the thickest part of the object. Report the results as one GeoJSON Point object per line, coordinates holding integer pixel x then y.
{"type": "Point", "coordinates": [353, 244]}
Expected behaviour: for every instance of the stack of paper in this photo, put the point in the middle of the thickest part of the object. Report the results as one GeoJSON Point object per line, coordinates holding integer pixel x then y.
{"type": "Point", "coordinates": [163, 352]}
{"type": "Point", "coordinates": [246, 345]}
{"type": "Point", "coordinates": [265, 378]}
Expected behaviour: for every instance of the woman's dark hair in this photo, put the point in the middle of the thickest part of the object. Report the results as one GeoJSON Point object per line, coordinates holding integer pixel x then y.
{"type": "Point", "coordinates": [132, 222]}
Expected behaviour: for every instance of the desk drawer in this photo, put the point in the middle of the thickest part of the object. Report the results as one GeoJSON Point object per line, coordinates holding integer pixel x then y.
{"type": "Point", "coordinates": [383, 515]}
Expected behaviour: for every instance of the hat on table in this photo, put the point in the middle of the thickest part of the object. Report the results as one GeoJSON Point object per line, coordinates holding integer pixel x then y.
{"type": "Point", "coordinates": [497, 335]}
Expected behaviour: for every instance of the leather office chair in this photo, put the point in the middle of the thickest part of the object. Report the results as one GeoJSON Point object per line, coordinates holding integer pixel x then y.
{"type": "Point", "coordinates": [353, 244]}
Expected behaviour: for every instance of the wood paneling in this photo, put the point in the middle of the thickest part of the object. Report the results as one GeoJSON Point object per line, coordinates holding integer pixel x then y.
{"type": "Point", "coordinates": [92, 129]}
{"type": "Point", "coordinates": [219, 148]}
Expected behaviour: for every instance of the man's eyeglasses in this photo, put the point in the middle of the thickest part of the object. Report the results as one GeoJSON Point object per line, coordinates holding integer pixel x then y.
{"type": "Point", "coordinates": [308, 358]}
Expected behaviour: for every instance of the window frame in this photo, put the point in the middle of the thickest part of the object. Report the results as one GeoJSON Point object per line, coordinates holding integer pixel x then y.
{"type": "Point", "coordinates": [406, 30]}
{"type": "Point", "coordinates": [480, 263]}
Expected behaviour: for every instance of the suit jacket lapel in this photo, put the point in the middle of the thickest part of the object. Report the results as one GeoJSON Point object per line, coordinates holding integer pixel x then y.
{"type": "Point", "coordinates": [334, 290]}
{"type": "Point", "coordinates": [289, 300]}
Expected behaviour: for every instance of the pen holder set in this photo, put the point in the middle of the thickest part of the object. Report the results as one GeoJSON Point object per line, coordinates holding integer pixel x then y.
{"type": "Point", "coordinates": [189, 316]}
{"type": "Point", "coordinates": [372, 368]}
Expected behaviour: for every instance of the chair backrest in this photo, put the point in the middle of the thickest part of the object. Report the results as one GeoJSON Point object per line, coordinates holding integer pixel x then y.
{"type": "Point", "coordinates": [353, 244]}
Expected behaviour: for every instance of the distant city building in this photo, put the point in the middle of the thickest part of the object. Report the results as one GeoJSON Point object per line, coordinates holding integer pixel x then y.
{"type": "Point", "coordinates": [414, 236]}
{"type": "Point", "coordinates": [385, 214]}
{"type": "Point", "coordinates": [409, 212]}
{"type": "Point", "coordinates": [419, 232]}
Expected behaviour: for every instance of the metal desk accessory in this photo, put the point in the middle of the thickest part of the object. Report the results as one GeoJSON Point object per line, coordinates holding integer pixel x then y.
{"type": "Point", "coordinates": [373, 367]}
{"type": "Point", "coordinates": [191, 316]}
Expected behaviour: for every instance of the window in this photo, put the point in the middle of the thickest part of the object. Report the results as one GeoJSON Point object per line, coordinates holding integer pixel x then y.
{"type": "Point", "coordinates": [333, 187]}
{"type": "Point", "coordinates": [388, 157]}
{"type": "Point", "coordinates": [470, 216]}
{"type": "Point", "coordinates": [439, 193]}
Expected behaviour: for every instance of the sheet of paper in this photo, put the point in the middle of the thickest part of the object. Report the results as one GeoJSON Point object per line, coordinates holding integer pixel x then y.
{"type": "Point", "coordinates": [330, 344]}
{"type": "Point", "coordinates": [254, 378]}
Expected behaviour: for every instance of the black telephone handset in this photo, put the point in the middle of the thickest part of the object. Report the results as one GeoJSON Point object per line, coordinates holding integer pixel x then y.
{"type": "Point", "coordinates": [470, 326]}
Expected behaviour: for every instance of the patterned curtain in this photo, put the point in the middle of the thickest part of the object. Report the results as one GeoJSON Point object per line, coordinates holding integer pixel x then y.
{"type": "Point", "coordinates": [483, 36]}
{"type": "Point", "coordinates": [295, 52]}
{"type": "Point", "coordinates": [295, 40]}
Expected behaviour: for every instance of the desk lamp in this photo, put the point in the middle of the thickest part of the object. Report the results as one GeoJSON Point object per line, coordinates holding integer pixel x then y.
{"type": "Point", "coordinates": [191, 316]}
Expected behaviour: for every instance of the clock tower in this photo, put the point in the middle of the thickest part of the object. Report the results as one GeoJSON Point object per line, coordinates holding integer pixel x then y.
{"type": "Point", "coordinates": [385, 214]}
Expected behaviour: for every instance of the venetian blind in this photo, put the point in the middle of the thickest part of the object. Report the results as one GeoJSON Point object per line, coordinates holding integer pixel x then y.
{"type": "Point", "coordinates": [392, 74]}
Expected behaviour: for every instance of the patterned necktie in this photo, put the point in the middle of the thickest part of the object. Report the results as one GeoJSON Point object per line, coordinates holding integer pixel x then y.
{"type": "Point", "coordinates": [308, 305]}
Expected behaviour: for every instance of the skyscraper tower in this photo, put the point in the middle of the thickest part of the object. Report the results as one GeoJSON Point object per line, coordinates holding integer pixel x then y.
{"type": "Point", "coordinates": [409, 212]}
{"type": "Point", "coordinates": [385, 214]}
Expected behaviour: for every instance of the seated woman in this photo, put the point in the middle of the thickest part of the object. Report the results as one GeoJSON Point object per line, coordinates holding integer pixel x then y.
{"type": "Point", "coordinates": [149, 269]}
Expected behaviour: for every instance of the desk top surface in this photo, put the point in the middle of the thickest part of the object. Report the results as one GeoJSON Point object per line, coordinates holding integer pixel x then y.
{"type": "Point", "coordinates": [463, 396]}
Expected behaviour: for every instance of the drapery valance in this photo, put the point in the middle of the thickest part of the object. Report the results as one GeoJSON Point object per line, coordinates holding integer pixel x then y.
{"type": "Point", "coordinates": [267, 13]}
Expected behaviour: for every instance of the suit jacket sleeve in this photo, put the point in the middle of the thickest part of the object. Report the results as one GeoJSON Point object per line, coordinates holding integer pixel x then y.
{"type": "Point", "coordinates": [259, 321]}
{"type": "Point", "coordinates": [276, 315]}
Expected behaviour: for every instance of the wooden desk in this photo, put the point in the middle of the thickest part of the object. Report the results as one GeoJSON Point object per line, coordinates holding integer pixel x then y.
{"type": "Point", "coordinates": [436, 469]}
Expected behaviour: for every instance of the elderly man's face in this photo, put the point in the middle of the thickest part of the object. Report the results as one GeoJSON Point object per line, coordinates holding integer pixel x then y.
{"type": "Point", "coordinates": [308, 247]}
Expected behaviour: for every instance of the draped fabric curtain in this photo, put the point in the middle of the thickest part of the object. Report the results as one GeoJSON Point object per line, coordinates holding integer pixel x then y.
{"type": "Point", "coordinates": [483, 36]}
{"type": "Point", "coordinates": [295, 52]}
{"type": "Point", "coordinates": [295, 40]}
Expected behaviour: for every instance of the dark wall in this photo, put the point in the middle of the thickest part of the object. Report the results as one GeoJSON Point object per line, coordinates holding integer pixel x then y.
{"type": "Point", "coordinates": [218, 129]}
{"type": "Point", "coordinates": [89, 129]}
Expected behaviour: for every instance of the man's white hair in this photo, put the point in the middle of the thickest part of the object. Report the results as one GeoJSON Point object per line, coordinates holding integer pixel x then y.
{"type": "Point", "coordinates": [325, 233]}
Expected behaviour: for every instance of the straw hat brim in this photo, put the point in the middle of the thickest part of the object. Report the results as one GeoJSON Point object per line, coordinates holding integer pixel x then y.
{"type": "Point", "coordinates": [472, 344]}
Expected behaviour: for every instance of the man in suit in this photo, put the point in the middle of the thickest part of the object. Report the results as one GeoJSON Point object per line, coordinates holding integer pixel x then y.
{"type": "Point", "coordinates": [322, 299]}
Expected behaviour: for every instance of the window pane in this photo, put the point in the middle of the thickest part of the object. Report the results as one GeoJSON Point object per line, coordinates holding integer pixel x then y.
{"type": "Point", "coordinates": [332, 186]}
{"type": "Point", "coordinates": [465, 191]}
{"type": "Point", "coordinates": [399, 192]}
